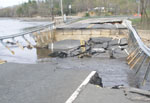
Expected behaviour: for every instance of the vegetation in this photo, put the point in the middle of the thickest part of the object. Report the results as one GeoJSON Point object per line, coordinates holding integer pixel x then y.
{"type": "Point", "coordinates": [102, 7]}
{"type": "Point", "coordinates": [136, 21]}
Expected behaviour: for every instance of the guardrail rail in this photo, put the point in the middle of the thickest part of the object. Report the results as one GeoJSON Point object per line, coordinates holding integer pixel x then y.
{"type": "Point", "coordinates": [49, 26]}
{"type": "Point", "coordinates": [139, 53]}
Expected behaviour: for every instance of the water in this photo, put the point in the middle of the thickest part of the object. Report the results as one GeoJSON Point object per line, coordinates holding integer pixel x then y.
{"type": "Point", "coordinates": [13, 26]}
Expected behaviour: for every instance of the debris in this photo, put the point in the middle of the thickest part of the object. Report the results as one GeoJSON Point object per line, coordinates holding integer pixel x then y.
{"type": "Point", "coordinates": [117, 86]}
{"type": "Point", "coordinates": [2, 61]}
{"type": "Point", "coordinates": [111, 53]}
{"type": "Point", "coordinates": [113, 42]}
{"type": "Point", "coordinates": [98, 50]}
{"type": "Point", "coordinates": [12, 43]}
{"type": "Point", "coordinates": [100, 40]}
{"type": "Point", "coordinates": [62, 54]}
{"type": "Point", "coordinates": [106, 45]}
{"type": "Point", "coordinates": [123, 42]}
{"type": "Point", "coordinates": [29, 47]}
{"type": "Point", "coordinates": [86, 49]}
{"type": "Point", "coordinates": [96, 80]}
{"type": "Point", "coordinates": [98, 46]}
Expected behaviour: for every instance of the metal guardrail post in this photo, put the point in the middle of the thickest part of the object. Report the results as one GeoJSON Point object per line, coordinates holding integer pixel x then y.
{"type": "Point", "coordinates": [140, 65]}
{"type": "Point", "coordinates": [17, 43]}
{"type": "Point", "coordinates": [27, 41]}
{"type": "Point", "coordinates": [39, 28]}
{"type": "Point", "coordinates": [146, 74]}
{"type": "Point", "coordinates": [7, 47]}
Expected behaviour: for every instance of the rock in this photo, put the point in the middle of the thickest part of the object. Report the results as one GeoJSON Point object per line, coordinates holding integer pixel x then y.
{"type": "Point", "coordinates": [105, 45]}
{"type": "Point", "coordinates": [98, 46]}
{"type": "Point", "coordinates": [96, 80]}
{"type": "Point", "coordinates": [62, 54]}
{"type": "Point", "coordinates": [113, 42]}
{"type": "Point", "coordinates": [74, 53]}
{"type": "Point", "coordinates": [98, 50]}
{"type": "Point", "coordinates": [111, 53]}
{"type": "Point", "coordinates": [123, 42]}
{"type": "Point", "coordinates": [117, 86]}
{"type": "Point", "coordinates": [54, 54]}
{"type": "Point", "coordinates": [100, 40]}
{"type": "Point", "coordinates": [12, 43]}
{"type": "Point", "coordinates": [124, 47]}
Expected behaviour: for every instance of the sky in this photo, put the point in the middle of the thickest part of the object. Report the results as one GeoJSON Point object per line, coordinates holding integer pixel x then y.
{"type": "Point", "coordinates": [6, 3]}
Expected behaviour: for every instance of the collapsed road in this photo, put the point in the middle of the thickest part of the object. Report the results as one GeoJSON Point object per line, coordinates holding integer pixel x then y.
{"type": "Point", "coordinates": [55, 79]}
{"type": "Point", "coordinates": [93, 46]}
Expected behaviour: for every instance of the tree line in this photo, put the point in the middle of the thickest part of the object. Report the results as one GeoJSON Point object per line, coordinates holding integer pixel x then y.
{"type": "Point", "coordinates": [45, 8]}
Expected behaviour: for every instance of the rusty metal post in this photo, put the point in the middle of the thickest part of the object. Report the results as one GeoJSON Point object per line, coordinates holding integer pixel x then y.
{"type": "Point", "coordinates": [7, 47]}
{"type": "Point", "coordinates": [146, 74]}
{"type": "Point", "coordinates": [140, 65]}
{"type": "Point", "coordinates": [27, 41]}
{"type": "Point", "coordinates": [18, 44]}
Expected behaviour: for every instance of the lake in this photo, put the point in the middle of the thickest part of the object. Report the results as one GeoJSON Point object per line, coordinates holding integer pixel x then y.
{"type": "Point", "coordinates": [10, 26]}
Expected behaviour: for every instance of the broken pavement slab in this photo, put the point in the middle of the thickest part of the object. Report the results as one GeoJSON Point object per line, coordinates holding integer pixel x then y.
{"type": "Point", "coordinates": [96, 94]}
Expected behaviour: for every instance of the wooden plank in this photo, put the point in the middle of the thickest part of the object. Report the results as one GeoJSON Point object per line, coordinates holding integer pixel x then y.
{"type": "Point", "coordinates": [2, 61]}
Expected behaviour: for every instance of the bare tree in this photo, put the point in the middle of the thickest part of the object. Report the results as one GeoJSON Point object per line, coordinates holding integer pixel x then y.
{"type": "Point", "coordinates": [144, 14]}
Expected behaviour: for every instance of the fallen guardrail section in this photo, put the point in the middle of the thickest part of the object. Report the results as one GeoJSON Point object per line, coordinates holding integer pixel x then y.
{"type": "Point", "coordinates": [38, 30]}
{"type": "Point", "coordinates": [139, 53]}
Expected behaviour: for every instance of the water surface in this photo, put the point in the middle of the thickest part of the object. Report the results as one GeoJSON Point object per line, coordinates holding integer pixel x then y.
{"type": "Point", "coordinates": [10, 26]}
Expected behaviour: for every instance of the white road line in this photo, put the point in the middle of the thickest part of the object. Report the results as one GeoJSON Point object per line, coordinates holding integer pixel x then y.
{"type": "Point", "coordinates": [82, 86]}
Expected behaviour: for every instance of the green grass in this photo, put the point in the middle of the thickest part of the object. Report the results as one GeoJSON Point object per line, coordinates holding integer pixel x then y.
{"type": "Point", "coordinates": [136, 21]}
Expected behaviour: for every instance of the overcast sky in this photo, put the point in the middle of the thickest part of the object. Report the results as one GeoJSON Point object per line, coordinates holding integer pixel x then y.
{"type": "Point", "coordinates": [6, 3]}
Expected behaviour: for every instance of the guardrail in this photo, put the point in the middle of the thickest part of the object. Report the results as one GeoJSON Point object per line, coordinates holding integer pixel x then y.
{"type": "Point", "coordinates": [12, 37]}
{"type": "Point", "coordinates": [139, 53]}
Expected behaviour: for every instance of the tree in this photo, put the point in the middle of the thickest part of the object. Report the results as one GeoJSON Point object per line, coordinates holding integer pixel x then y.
{"type": "Point", "coordinates": [144, 14]}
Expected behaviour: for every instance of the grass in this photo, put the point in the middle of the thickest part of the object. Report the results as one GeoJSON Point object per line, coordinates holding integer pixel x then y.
{"type": "Point", "coordinates": [136, 21]}
{"type": "Point", "coordinates": [144, 25]}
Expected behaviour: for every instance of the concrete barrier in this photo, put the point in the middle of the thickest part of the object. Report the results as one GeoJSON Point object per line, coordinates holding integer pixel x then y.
{"type": "Point", "coordinates": [85, 34]}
